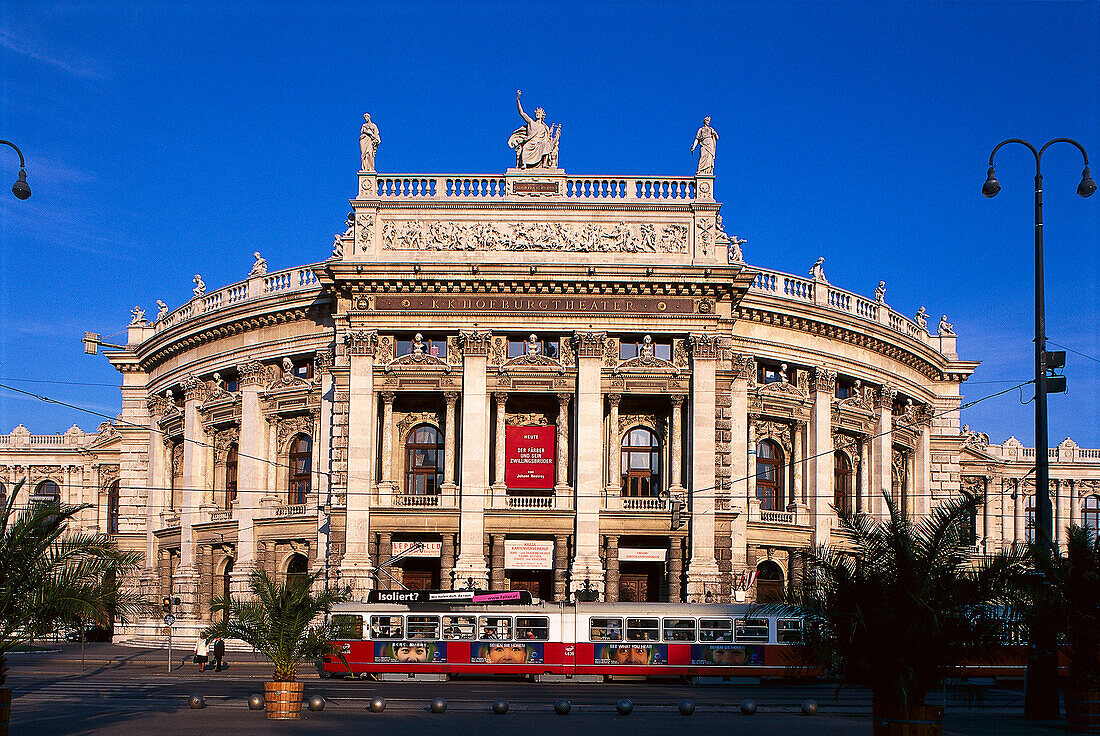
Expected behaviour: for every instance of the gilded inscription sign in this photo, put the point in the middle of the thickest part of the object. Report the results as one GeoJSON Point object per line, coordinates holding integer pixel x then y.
{"type": "Point", "coordinates": [535, 187]}
{"type": "Point", "coordinates": [507, 304]}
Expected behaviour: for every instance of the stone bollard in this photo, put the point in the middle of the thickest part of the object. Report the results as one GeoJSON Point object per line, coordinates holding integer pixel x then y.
{"type": "Point", "coordinates": [562, 707]}
{"type": "Point", "coordinates": [624, 707]}
{"type": "Point", "coordinates": [500, 706]}
{"type": "Point", "coordinates": [809, 707]}
{"type": "Point", "coordinates": [748, 707]}
{"type": "Point", "coordinates": [439, 705]}
{"type": "Point", "coordinates": [255, 701]}
{"type": "Point", "coordinates": [315, 703]}
{"type": "Point", "coordinates": [377, 704]}
{"type": "Point", "coordinates": [686, 707]}
{"type": "Point", "coordinates": [196, 702]}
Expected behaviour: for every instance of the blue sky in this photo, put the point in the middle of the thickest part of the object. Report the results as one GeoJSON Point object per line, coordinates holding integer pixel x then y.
{"type": "Point", "coordinates": [164, 140]}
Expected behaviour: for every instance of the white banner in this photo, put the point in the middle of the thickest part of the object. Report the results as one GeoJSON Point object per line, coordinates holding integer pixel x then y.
{"type": "Point", "coordinates": [528, 555]}
{"type": "Point", "coordinates": [427, 549]}
{"type": "Point", "coordinates": [630, 554]}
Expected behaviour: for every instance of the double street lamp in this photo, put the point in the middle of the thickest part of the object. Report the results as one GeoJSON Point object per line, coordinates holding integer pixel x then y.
{"type": "Point", "coordinates": [20, 188]}
{"type": "Point", "coordinates": [1041, 694]}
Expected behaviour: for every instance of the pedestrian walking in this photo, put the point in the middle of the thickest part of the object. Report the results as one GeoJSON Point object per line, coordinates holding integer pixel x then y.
{"type": "Point", "coordinates": [202, 649]}
{"type": "Point", "coordinates": [219, 653]}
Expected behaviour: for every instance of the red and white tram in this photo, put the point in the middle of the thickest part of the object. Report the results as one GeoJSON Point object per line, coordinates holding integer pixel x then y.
{"type": "Point", "coordinates": [649, 639]}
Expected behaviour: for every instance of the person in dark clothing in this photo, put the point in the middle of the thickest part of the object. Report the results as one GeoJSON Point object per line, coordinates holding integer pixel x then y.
{"type": "Point", "coordinates": [219, 654]}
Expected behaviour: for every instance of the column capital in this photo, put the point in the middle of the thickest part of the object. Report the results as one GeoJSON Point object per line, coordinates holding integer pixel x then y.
{"type": "Point", "coordinates": [159, 406]}
{"type": "Point", "coordinates": [451, 397]}
{"type": "Point", "coordinates": [744, 366]}
{"type": "Point", "coordinates": [564, 398]}
{"type": "Point", "coordinates": [501, 397]}
{"type": "Point", "coordinates": [884, 397]}
{"type": "Point", "coordinates": [589, 344]}
{"type": "Point", "coordinates": [388, 396]}
{"type": "Point", "coordinates": [703, 346]}
{"type": "Point", "coordinates": [193, 389]}
{"type": "Point", "coordinates": [361, 342]}
{"type": "Point", "coordinates": [614, 399]}
{"type": "Point", "coordinates": [251, 373]}
{"type": "Point", "coordinates": [323, 362]}
{"type": "Point", "coordinates": [475, 342]}
{"type": "Point", "coordinates": [824, 380]}
{"type": "Point", "coordinates": [677, 399]}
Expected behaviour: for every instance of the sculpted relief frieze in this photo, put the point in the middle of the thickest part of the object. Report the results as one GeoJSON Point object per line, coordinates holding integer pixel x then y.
{"type": "Point", "coordinates": [621, 237]}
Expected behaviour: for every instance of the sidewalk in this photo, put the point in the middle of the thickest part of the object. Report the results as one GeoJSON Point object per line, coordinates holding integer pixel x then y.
{"type": "Point", "coordinates": [113, 656]}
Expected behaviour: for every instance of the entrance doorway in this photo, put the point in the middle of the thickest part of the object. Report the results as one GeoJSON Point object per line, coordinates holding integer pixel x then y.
{"type": "Point", "coordinates": [640, 582]}
{"type": "Point", "coordinates": [420, 573]}
{"type": "Point", "coordinates": [540, 583]}
{"type": "Point", "coordinates": [769, 583]}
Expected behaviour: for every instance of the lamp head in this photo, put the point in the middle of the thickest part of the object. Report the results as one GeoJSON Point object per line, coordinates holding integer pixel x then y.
{"type": "Point", "coordinates": [991, 186]}
{"type": "Point", "coordinates": [1087, 185]}
{"type": "Point", "coordinates": [22, 190]}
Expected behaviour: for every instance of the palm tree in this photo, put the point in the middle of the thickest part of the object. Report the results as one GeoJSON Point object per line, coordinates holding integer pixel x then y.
{"type": "Point", "coordinates": [49, 577]}
{"type": "Point", "coordinates": [905, 603]}
{"type": "Point", "coordinates": [278, 623]}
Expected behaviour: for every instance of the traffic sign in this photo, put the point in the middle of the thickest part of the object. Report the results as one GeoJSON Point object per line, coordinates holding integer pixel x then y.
{"type": "Point", "coordinates": [169, 620]}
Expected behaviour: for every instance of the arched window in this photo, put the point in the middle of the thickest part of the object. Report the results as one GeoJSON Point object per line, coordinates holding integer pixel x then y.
{"type": "Point", "coordinates": [769, 475]}
{"type": "Point", "coordinates": [842, 482]}
{"type": "Point", "coordinates": [1090, 513]}
{"type": "Point", "coordinates": [423, 460]}
{"type": "Point", "coordinates": [769, 582]}
{"type": "Point", "coordinates": [1029, 515]}
{"type": "Point", "coordinates": [48, 489]}
{"type": "Point", "coordinates": [301, 461]}
{"type": "Point", "coordinates": [297, 569]}
{"type": "Point", "coordinates": [112, 508]}
{"type": "Point", "coordinates": [641, 466]}
{"type": "Point", "coordinates": [222, 584]}
{"type": "Point", "coordinates": [231, 462]}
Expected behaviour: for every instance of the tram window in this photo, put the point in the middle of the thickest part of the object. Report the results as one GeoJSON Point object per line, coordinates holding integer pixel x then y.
{"type": "Point", "coordinates": [423, 627]}
{"type": "Point", "coordinates": [606, 629]}
{"type": "Point", "coordinates": [348, 626]}
{"type": "Point", "coordinates": [750, 629]}
{"type": "Point", "coordinates": [385, 627]}
{"type": "Point", "coordinates": [458, 627]}
{"type": "Point", "coordinates": [533, 629]}
{"type": "Point", "coordinates": [679, 629]}
{"type": "Point", "coordinates": [642, 629]}
{"type": "Point", "coordinates": [715, 629]}
{"type": "Point", "coordinates": [498, 628]}
{"type": "Point", "coordinates": [788, 631]}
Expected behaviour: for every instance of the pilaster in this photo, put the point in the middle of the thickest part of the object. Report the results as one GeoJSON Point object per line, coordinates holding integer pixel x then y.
{"type": "Point", "coordinates": [703, 569]}
{"type": "Point", "coordinates": [474, 483]}
{"type": "Point", "coordinates": [589, 473]}
{"type": "Point", "coordinates": [821, 453]}
{"type": "Point", "coordinates": [356, 569]}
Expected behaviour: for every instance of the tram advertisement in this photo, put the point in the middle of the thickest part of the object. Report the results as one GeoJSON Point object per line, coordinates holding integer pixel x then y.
{"type": "Point", "coordinates": [433, 652]}
{"type": "Point", "coordinates": [647, 654]}
{"type": "Point", "coordinates": [507, 653]}
{"type": "Point", "coordinates": [529, 453]}
{"type": "Point", "coordinates": [726, 655]}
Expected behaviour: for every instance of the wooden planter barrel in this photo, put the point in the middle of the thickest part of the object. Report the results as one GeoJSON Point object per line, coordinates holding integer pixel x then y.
{"type": "Point", "coordinates": [5, 710]}
{"type": "Point", "coordinates": [1082, 710]}
{"type": "Point", "coordinates": [283, 700]}
{"type": "Point", "coordinates": [919, 720]}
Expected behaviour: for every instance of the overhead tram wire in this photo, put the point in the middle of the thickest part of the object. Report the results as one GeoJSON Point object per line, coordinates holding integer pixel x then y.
{"type": "Point", "coordinates": [486, 493]}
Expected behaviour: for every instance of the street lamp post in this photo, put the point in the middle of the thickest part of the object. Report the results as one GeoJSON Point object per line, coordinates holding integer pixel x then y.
{"type": "Point", "coordinates": [1041, 688]}
{"type": "Point", "coordinates": [20, 188]}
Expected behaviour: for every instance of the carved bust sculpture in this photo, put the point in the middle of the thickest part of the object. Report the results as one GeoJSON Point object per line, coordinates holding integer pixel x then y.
{"type": "Point", "coordinates": [645, 350]}
{"type": "Point", "coordinates": [369, 141]}
{"type": "Point", "coordinates": [706, 139]}
{"type": "Point", "coordinates": [533, 347]}
{"type": "Point", "coordinates": [536, 143]}
{"type": "Point", "coordinates": [288, 366]}
{"type": "Point", "coordinates": [418, 344]}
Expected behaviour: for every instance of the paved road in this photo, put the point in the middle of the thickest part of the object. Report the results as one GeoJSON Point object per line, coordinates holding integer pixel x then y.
{"type": "Point", "coordinates": [125, 691]}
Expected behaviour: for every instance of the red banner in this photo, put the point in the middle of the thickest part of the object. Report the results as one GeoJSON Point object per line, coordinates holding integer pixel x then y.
{"type": "Point", "coordinates": [529, 457]}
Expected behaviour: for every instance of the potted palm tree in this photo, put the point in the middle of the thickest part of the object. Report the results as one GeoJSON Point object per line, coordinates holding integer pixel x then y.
{"type": "Point", "coordinates": [49, 577]}
{"type": "Point", "coordinates": [902, 605]}
{"type": "Point", "coordinates": [1068, 601]}
{"type": "Point", "coordinates": [278, 623]}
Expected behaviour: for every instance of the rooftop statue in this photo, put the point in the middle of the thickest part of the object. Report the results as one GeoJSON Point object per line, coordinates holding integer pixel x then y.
{"type": "Point", "coordinates": [369, 141]}
{"type": "Point", "coordinates": [200, 285]}
{"type": "Point", "coordinates": [817, 271]}
{"type": "Point", "coordinates": [536, 143]}
{"type": "Point", "coordinates": [259, 266]}
{"type": "Point", "coordinates": [706, 139]}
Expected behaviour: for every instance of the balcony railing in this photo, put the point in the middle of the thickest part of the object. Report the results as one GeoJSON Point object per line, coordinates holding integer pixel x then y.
{"type": "Point", "coordinates": [489, 186]}
{"type": "Point", "coordinates": [419, 500]}
{"type": "Point", "coordinates": [530, 502]}
{"type": "Point", "coordinates": [298, 509]}
{"type": "Point", "coordinates": [765, 516]}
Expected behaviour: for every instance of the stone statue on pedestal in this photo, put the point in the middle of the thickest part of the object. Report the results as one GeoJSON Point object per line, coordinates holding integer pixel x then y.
{"type": "Point", "coordinates": [369, 141]}
{"type": "Point", "coordinates": [817, 271]}
{"type": "Point", "coordinates": [706, 139]}
{"type": "Point", "coordinates": [536, 143]}
{"type": "Point", "coordinates": [200, 285]}
{"type": "Point", "coordinates": [259, 266]}
{"type": "Point", "coordinates": [946, 328]}
{"type": "Point", "coordinates": [880, 292]}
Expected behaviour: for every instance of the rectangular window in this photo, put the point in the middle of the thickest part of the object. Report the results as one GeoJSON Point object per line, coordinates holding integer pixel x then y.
{"type": "Point", "coordinates": [788, 631]}
{"type": "Point", "coordinates": [750, 630]}
{"type": "Point", "coordinates": [715, 629]}
{"type": "Point", "coordinates": [496, 628]}
{"type": "Point", "coordinates": [348, 626]}
{"type": "Point", "coordinates": [536, 628]}
{"type": "Point", "coordinates": [519, 346]}
{"type": "Point", "coordinates": [304, 369]}
{"type": "Point", "coordinates": [633, 348]}
{"type": "Point", "coordinates": [642, 629]}
{"type": "Point", "coordinates": [423, 627]}
{"type": "Point", "coordinates": [435, 345]}
{"type": "Point", "coordinates": [772, 374]}
{"type": "Point", "coordinates": [679, 629]}
{"type": "Point", "coordinates": [386, 627]}
{"type": "Point", "coordinates": [458, 627]}
{"type": "Point", "coordinates": [606, 629]}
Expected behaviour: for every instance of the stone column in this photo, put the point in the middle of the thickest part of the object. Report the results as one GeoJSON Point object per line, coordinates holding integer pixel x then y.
{"type": "Point", "coordinates": [195, 481]}
{"type": "Point", "coordinates": [322, 365]}
{"type": "Point", "coordinates": [159, 484]}
{"type": "Point", "coordinates": [750, 471]}
{"type": "Point", "coordinates": [590, 460]}
{"type": "Point", "coordinates": [449, 443]}
{"type": "Point", "coordinates": [1019, 527]}
{"type": "Point", "coordinates": [797, 468]}
{"type": "Point", "coordinates": [882, 448]}
{"type": "Point", "coordinates": [500, 486]}
{"type": "Point", "coordinates": [1074, 503]}
{"type": "Point", "coordinates": [446, 559]}
{"type": "Point", "coordinates": [744, 368]}
{"type": "Point", "coordinates": [474, 483]}
{"type": "Point", "coordinates": [823, 388]}
{"type": "Point", "coordinates": [865, 474]}
{"type": "Point", "coordinates": [561, 448]}
{"type": "Point", "coordinates": [387, 486]}
{"type": "Point", "coordinates": [496, 569]}
{"type": "Point", "coordinates": [1057, 491]}
{"type": "Point", "coordinates": [920, 489]}
{"type": "Point", "coordinates": [987, 518]}
{"type": "Point", "coordinates": [612, 595]}
{"type": "Point", "coordinates": [676, 444]}
{"type": "Point", "coordinates": [251, 471]}
{"type": "Point", "coordinates": [385, 554]}
{"type": "Point", "coordinates": [356, 569]}
{"type": "Point", "coordinates": [561, 567]}
{"type": "Point", "coordinates": [703, 568]}
{"type": "Point", "coordinates": [675, 571]}
{"type": "Point", "coordinates": [614, 446]}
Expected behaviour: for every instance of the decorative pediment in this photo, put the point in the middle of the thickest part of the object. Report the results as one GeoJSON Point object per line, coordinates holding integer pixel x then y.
{"type": "Point", "coordinates": [646, 364]}
{"type": "Point", "coordinates": [532, 360]}
{"type": "Point", "coordinates": [781, 432]}
{"type": "Point", "coordinates": [412, 419]}
{"type": "Point", "coordinates": [417, 360]}
{"type": "Point", "coordinates": [781, 388]}
{"type": "Point", "coordinates": [974, 440]}
{"type": "Point", "coordinates": [287, 427]}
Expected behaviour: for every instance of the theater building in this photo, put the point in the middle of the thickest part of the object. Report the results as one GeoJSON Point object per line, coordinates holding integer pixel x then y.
{"type": "Point", "coordinates": [530, 380]}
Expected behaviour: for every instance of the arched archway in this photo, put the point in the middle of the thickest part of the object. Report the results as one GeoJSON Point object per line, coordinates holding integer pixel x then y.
{"type": "Point", "coordinates": [222, 584]}
{"type": "Point", "coordinates": [769, 582]}
{"type": "Point", "coordinates": [48, 489]}
{"type": "Point", "coordinates": [297, 568]}
{"type": "Point", "coordinates": [641, 464]}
